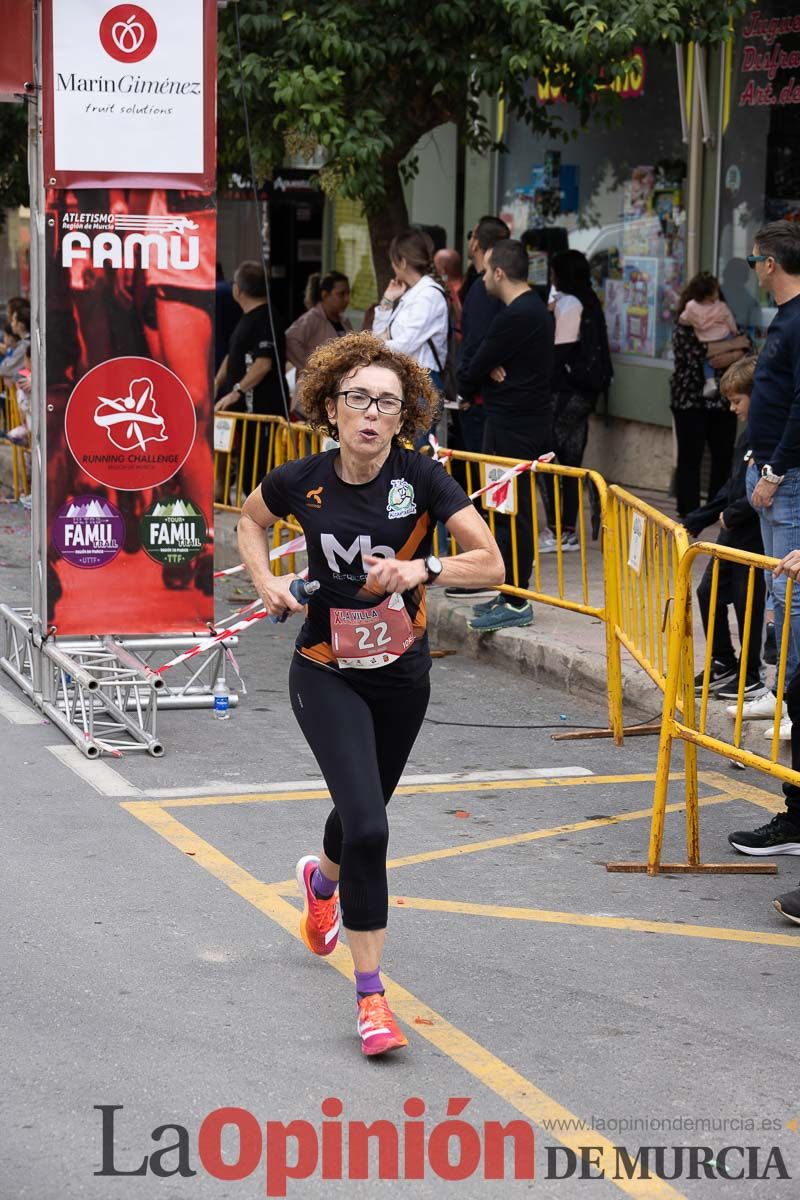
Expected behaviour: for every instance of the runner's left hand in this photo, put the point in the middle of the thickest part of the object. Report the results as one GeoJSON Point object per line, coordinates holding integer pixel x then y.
{"type": "Point", "coordinates": [394, 574]}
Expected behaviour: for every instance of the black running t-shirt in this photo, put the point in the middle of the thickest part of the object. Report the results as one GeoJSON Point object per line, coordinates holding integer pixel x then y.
{"type": "Point", "coordinates": [392, 516]}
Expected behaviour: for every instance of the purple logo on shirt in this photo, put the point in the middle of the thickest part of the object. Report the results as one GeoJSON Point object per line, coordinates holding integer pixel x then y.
{"type": "Point", "coordinates": [88, 531]}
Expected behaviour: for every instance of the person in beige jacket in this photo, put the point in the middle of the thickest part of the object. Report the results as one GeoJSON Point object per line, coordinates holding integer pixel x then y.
{"type": "Point", "coordinates": [327, 297]}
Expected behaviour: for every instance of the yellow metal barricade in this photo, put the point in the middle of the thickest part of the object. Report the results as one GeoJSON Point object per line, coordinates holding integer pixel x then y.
{"type": "Point", "coordinates": [569, 590]}
{"type": "Point", "coordinates": [255, 444]}
{"type": "Point", "coordinates": [301, 439]}
{"type": "Point", "coordinates": [15, 420]}
{"type": "Point", "coordinates": [649, 547]}
{"type": "Point", "coordinates": [690, 723]}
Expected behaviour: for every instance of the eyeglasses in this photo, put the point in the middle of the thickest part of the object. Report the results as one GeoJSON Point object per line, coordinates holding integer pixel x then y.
{"type": "Point", "coordinates": [390, 406]}
{"type": "Point", "coordinates": [752, 259]}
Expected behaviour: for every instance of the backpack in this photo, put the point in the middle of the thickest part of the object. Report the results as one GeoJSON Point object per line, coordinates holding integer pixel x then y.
{"type": "Point", "coordinates": [591, 369]}
{"type": "Point", "coordinates": [448, 369]}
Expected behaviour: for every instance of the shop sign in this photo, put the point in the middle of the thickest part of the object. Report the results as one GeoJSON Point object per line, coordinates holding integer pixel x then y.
{"type": "Point", "coordinates": [627, 86]}
{"type": "Point", "coordinates": [770, 64]}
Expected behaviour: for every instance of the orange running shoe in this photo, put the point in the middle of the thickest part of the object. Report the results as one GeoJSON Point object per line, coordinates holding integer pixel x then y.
{"type": "Point", "coordinates": [319, 924]}
{"type": "Point", "coordinates": [377, 1027]}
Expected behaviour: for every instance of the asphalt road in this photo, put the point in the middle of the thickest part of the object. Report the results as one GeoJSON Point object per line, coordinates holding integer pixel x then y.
{"type": "Point", "coordinates": [151, 957]}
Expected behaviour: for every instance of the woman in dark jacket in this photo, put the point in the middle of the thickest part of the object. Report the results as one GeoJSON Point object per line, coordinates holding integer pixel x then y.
{"type": "Point", "coordinates": [698, 419]}
{"type": "Point", "coordinates": [581, 371]}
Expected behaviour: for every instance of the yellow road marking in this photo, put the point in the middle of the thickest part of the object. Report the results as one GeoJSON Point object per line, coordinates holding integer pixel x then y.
{"type": "Point", "coordinates": [535, 835]}
{"type": "Point", "coordinates": [517, 839]}
{"type": "Point", "coordinates": [772, 801]}
{"type": "Point", "coordinates": [492, 785]}
{"type": "Point", "coordinates": [548, 917]}
{"type": "Point", "coordinates": [474, 1058]}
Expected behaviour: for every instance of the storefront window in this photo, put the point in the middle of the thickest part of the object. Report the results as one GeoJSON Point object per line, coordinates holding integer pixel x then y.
{"type": "Point", "coordinates": [619, 195]}
{"type": "Point", "coordinates": [760, 149]}
{"type": "Point", "coordinates": [353, 254]}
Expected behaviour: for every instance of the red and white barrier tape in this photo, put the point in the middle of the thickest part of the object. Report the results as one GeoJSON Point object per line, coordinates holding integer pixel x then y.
{"type": "Point", "coordinates": [207, 643]}
{"type": "Point", "coordinates": [499, 487]}
{"type": "Point", "coordinates": [439, 453]}
{"type": "Point", "coordinates": [295, 546]}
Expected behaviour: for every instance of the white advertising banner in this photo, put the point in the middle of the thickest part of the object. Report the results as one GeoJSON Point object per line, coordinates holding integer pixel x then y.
{"type": "Point", "coordinates": [129, 89]}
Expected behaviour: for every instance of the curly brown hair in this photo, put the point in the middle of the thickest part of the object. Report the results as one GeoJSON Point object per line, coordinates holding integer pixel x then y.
{"type": "Point", "coordinates": [332, 362]}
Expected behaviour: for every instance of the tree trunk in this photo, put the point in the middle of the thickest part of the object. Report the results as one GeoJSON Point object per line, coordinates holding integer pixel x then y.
{"type": "Point", "coordinates": [391, 219]}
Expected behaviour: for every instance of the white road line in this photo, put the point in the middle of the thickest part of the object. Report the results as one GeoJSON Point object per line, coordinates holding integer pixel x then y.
{"type": "Point", "coordinates": [19, 712]}
{"type": "Point", "coordinates": [99, 775]}
{"type": "Point", "coordinates": [108, 782]}
{"type": "Point", "coordinates": [227, 787]}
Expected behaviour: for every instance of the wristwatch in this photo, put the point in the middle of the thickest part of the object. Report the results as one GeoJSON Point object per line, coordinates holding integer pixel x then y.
{"type": "Point", "coordinates": [434, 568]}
{"type": "Point", "coordinates": [237, 387]}
{"type": "Point", "coordinates": [768, 474]}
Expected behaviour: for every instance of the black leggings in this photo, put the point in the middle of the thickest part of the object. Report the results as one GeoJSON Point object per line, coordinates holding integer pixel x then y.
{"type": "Point", "coordinates": [361, 734]}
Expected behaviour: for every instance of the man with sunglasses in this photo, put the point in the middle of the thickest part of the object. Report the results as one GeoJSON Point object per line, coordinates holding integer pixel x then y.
{"type": "Point", "coordinates": [773, 485]}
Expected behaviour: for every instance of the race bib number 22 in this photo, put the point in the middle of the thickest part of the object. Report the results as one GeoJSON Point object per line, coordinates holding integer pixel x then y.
{"type": "Point", "coordinates": [371, 637]}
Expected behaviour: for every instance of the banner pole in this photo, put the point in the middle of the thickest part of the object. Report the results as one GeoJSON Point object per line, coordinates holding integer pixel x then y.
{"type": "Point", "coordinates": [38, 342]}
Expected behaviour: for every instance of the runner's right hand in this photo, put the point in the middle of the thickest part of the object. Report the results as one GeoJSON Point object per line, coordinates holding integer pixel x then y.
{"type": "Point", "coordinates": [277, 597]}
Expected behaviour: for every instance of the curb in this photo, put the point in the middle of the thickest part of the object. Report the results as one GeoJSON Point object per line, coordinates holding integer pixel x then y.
{"type": "Point", "coordinates": [574, 669]}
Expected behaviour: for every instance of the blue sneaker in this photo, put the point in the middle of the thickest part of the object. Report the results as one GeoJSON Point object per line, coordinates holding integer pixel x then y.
{"type": "Point", "coordinates": [488, 605]}
{"type": "Point", "coordinates": [502, 616]}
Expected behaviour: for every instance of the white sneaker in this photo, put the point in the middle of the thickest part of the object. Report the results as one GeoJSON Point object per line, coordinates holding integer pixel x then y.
{"type": "Point", "coordinates": [570, 543]}
{"type": "Point", "coordinates": [784, 734]}
{"type": "Point", "coordinates": [758, 709]}
{"type": "Point", "coordinates": [547, 542]}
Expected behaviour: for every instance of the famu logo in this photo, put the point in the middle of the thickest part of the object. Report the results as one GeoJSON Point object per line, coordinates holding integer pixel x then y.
{"type": "Point", "coordinates": [129, 240]}
{"type": "Point", "coordinates": [173, 532]}
{"type": "Point", "coordinates": [401, 500]}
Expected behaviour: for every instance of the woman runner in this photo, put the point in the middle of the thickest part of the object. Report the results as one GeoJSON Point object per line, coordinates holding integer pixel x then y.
{"type": "Point", "coordinates": [359, 678]}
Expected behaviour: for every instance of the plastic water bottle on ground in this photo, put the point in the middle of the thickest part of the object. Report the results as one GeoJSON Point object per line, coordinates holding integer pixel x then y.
{"type": "Point", "coordinates": [221, 704]}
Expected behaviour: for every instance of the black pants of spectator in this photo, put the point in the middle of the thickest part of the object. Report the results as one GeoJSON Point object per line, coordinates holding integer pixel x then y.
{"type": "Point", "coordinates": [790, 790]}
{"type": "Point", "coordinates": [522, 443]}
{"type": "Point", "coordinates": [732, 589]}
{"type": "Point", "coordinates": [570, 433]}
{"type": "Point", "coordinates": [694, 428]}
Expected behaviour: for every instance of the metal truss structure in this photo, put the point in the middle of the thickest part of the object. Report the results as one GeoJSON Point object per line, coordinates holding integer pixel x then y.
{"type": "Point", "coordinates": [103, 692]}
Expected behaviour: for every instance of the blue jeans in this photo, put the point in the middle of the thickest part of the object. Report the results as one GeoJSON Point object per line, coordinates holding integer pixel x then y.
{"type": "Point", "coordinates": [780, 530]}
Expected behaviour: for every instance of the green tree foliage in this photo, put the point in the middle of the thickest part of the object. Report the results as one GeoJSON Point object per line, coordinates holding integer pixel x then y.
{"type": "Point", "coordinates": [365, 79]}
{"type": "Point", "coordinates": [13, 157]}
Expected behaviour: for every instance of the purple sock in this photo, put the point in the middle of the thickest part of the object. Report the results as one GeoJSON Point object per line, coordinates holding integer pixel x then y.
{"type": "Point", "coordinates": [367, 982]}
{"type": "Point", "coordinates": [322, 887]}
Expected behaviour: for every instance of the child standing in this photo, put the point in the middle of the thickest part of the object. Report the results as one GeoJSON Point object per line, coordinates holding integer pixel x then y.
{"type": "Point", "coordinates": [740, 529]}
{"type": "Point", "coordinates": [710, 318]}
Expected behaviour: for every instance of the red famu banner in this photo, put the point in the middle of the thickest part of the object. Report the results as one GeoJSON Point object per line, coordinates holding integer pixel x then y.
{"type": "Point", "coordinates": [130, 302]}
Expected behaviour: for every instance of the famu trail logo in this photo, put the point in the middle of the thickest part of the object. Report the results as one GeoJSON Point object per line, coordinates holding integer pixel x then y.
{"type": "Point", "coordinates": [173, 532]}
{"type": "Point", "coordinates": [88, 531]}
{"type": "Point", "coordinates": [401, 500]}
